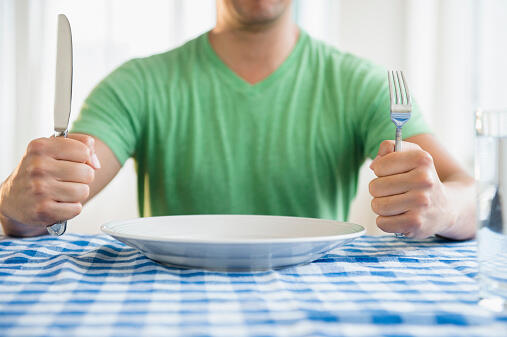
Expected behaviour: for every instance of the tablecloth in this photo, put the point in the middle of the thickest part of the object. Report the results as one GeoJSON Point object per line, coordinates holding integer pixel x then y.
{"type": "Point", "coordinates": [82, 285]}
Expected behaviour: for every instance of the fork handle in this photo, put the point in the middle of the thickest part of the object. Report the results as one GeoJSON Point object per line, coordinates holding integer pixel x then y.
{"type": "Point", "coordinates": [397, 148]}
{"type": "Point", "coordinates": [397, 141]}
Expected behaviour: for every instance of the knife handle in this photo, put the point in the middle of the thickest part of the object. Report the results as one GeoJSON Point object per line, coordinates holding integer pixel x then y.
{"type": "Point", "coordinates": [58, 228]}
{"type": "Point", "coordinates": [61, 133]}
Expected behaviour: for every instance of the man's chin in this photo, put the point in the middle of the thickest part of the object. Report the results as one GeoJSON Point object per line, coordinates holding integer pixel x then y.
{"type": "Point", "coordinates": [258, 22]}
{"type": "Point", "coordinates": [258, 14]}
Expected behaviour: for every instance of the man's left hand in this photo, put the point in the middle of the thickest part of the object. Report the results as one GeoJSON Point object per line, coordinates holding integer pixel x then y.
{"type": "Point", "coordinates": [408, 195]}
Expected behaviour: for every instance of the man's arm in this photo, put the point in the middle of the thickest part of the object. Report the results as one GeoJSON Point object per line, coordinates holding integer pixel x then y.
{"type": "Point", "coordinates": [110, 167]}
{"type": "Point", "coordinates": [55, 178]}
{"type": "Point", "coordinates": [422, 191]}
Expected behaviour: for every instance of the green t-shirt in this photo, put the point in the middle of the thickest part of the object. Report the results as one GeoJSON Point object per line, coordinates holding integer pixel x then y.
{"type": "Point", "coordinates": [207, 142]}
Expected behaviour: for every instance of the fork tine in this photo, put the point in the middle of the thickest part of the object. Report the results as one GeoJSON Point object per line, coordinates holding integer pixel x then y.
{"type": "Point", "coordinates": [402, 98]}
{"type": "Point", "coordinates": [391, 87]}
{"type": "Point", "coordinates": [405, 86]}
{"type": "Point", "coordinates": [399, 97]}
{"type": "Point", "coordinates": [396, 88]}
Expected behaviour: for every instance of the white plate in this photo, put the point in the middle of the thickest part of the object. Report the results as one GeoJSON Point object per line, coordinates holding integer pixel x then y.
{"type": "Point", "coordinates": [233, 242]}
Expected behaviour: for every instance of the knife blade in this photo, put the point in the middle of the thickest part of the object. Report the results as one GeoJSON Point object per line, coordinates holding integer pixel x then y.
{"type": "Point", "coordinates": [63, 93]}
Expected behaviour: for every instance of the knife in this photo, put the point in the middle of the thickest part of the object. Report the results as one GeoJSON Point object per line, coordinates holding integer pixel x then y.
{"type": "Point", "coordinates": [63, 93]}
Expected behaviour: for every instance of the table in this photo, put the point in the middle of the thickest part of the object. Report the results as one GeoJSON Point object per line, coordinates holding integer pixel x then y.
{"type": "Point", "coordinates": [82, 285]}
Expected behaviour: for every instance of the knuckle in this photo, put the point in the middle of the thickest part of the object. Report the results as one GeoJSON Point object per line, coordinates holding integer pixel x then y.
{"type": "Point", "coordinates": [89, 140]}
{"type": "Point", "coordinates": [37, 146]}
{"type": "Point", "coordinates": [376, 170]}
{"type": "Point", "coordinates": [36, 168]}
{"type": "Point", "coordinates": [89, 174]}
{"type": "Point", "coordinates": [415, 222]}
{"type": "Point", "coordinates": [382, 223]}
{"type": "Point", "coordinates": [372, 187]}
{"type": "Point", "coordinates": [79, 149]}
{"type": "Point", "coordinates": [70, 211]}
{"type": "Point", "coordinates": [43, 212]}
{"type": "Point", "coordinates": [424, 158]}
{"type": "Point", "coordinates": [76, 210]}
{"type": "Point", "coordinates": [422, 199]}
{"type": "Point", "coordinates": [415, 146]}
{"type": "Point", "coordinates": [38, 187]}
{"type": "Point", "coordinates": [84, 192]}
{"type": "Point", "coordinates": [88, 155]}
{"type": "Point", "coordinates": [426, 179]}
{"type": "Point", "coordinates": [85, 152]}
{"type": "Point", "coordinates": [377, 187]}
{"type": "Point", "coordinates": [375, 205]}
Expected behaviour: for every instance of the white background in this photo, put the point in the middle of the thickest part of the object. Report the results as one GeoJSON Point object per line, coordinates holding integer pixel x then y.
{"type": "Point", "coordinates": [451, 51]}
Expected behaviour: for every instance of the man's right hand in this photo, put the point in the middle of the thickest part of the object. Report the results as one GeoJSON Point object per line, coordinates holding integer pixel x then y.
{"type": "Point", "coordinates": [50, 184]}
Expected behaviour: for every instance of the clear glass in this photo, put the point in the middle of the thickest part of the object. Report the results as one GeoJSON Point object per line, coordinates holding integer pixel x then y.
{"type": "Point", "coordinates": [491, 177]}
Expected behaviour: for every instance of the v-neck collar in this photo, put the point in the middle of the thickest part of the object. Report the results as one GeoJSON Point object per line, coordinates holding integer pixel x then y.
{"type": "Point", "coordinates": [239, 83]}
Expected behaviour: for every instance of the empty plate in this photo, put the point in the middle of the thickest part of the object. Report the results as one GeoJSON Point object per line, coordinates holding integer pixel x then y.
{"type": "Point", "coordinates": [233, 242]}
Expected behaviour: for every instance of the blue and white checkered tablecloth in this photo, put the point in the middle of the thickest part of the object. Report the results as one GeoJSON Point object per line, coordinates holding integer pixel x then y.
{"type": "Point", "coordinates": [79, 285]}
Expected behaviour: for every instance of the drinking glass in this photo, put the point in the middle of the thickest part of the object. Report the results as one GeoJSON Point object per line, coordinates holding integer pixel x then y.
{"type": "Point", "coordinates": [491, 178]}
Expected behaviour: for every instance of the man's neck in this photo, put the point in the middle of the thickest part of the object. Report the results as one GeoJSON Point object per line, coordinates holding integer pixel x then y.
{"type": "Point", "coordinates": [253, 53]}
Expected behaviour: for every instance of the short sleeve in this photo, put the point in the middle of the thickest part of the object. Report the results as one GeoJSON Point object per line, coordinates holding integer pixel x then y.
{"type": "Point", "coordinates": [113, 112]}
{"type": "Point", "coordinates": [373, 109]}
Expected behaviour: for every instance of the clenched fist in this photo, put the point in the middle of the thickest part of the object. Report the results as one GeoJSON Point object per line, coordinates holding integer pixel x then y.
{"type": "Point", "coordinates": [50, 184]}
{"type": "Point", "coordinates": [408, 195]}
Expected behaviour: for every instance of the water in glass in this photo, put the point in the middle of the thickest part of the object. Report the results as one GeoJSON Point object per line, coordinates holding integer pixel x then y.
{"type": "Point", "coordinates": [491, 177]}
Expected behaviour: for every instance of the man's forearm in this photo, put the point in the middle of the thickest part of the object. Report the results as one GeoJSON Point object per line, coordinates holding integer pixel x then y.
{"type": "Point", "coordinates": [461, 195]}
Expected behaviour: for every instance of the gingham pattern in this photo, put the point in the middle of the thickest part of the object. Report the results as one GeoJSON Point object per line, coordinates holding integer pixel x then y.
{"type": "Point", "coordinates": [375, 286]}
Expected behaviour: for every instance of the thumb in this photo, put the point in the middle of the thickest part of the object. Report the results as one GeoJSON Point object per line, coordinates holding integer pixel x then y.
{"type": "Point", "coordinates": [90, 142]}
{"type": "Point", "coordinates": [386, 147]}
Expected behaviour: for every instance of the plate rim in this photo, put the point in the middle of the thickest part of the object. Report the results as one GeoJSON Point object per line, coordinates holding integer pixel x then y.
{"type": "Point", "coordinates": [105, 228]}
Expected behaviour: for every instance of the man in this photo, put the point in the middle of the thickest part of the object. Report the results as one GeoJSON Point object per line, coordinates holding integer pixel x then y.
{"type": "Point", "coordinates": [253, 117]}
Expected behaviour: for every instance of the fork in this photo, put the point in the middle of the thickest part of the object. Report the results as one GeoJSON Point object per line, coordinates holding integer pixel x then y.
{"type": "Point", "coordinates": [401, 103]}
{"type": "Point", "coordinates": [401, 107]}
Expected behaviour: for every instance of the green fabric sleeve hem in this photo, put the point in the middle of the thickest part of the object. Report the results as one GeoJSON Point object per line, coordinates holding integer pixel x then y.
{"type": "Point", "coordinates": [99, 133]}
